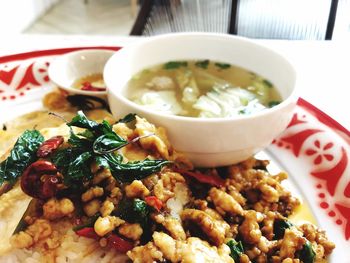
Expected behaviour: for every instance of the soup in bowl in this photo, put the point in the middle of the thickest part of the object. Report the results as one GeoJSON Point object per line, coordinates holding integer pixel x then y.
{"type": "Point", "coordinates": [201, 88]}
{"type": "Point", "coordinates": [207, 137]}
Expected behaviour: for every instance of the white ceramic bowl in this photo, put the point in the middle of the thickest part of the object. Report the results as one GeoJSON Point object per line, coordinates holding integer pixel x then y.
{"type": "Point", "coordinates": [216, 141]}
{"type": "Point", "coordinates": [66, 69]}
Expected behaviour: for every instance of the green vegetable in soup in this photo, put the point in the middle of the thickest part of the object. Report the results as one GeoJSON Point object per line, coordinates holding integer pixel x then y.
{"type": "Point", "coordinates": [222, 65]}
{"type": "Point", "coordinates": [273, 103]}
{"type": "Point", "coordinates": [202, 64]}
{"type": "Point", "coordinates": [267, 83]}
{"type": "Point", "coordinates": [175, 64]}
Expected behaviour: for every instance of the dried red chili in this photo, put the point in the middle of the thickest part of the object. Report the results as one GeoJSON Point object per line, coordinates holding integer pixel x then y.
{"type": "Point", "coordinates": [48, 146]}
{"type": "Point", "coordinates": [119, 243]}
{"type": "Point", "coordinates": [114, 241]}
{"type": "Point", "coordinates": [213, 179]}
{"type": "Point", "coordinates": [40, 180]}
{"type": "Point", "coordinates": [154, 202]}
{"type": "Point", "coordinates": [87, 232]}
{"type": "Point", "coordinates": [89, 87]}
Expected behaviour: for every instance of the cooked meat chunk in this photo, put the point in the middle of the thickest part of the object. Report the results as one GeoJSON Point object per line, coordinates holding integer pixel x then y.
{"type": "Point", "coordinates": [131, 231]}
{"type": "Point", "coordinates": [92, 193]}
{"type": "Point", "coordinates": [22, 240]}
{"type": "Point", "coordinates": [157, 142]}
{"type": "Point", "coordinates": [216, 230]}
{"type": "Point", "coordinates": [224, 202]}
{"type": "Point", "coordinates": [39, 230]}
{"type": "Point", "coordinates": [92, 207]}
{"type": "Point", "coordinates": [191, 250]}
{"type": "Point", "coordinates": [167, 245]}
{"type": "Point", "coordinates": [292, 241]}
{"type": "Point", "coordinates": [136, 189]}
{"type": "Point", "coordinates": [54, 208]}
{"type": "Point", "coordinates": [172, 225]}
{"type": "Point", "coordinates": [106, 208]}
{"type": "Point", "coordinates": [249, 229]}
{"type": "Point", "coordinates": [105, 225]}
{"type": "Point", "coordinates": [148, 253]}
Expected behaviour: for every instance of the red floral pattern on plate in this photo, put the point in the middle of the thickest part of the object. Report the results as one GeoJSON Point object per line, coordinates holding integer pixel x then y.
{"type": "Point", "coordinates": [320, 152]}
{"type": "Point", "coordinates": [328, 160]}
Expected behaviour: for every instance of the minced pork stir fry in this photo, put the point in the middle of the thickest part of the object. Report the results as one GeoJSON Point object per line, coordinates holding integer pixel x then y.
{"type": "Point", "coordinates": [125, 188]}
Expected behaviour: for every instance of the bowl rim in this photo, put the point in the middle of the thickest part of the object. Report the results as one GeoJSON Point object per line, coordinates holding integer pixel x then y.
{"type": "Point", "coordinates": [67, 56]}
{"type": "Point", "coordinates": [292, 98]}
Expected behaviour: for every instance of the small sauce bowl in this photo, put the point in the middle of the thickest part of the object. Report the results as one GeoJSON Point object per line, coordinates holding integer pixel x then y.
{"type": "Point", "coordinates": [65, 70]}
{"type": "Point", "coordinates": [208, 142]}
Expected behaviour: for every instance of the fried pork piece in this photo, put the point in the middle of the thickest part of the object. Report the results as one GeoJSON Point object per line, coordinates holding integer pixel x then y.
{"type": "Point", "coordinates": [172, 225]}
{"type": "Point", "coordinates": [136, 189]}
{"type": "Point", "coordinates": [131, 231]}
{"type": "Point", "coordinates": [158, 143]}
{"type": "Point", "coordinates": [225, 203]}
{"type": "Point", "coordinates": [292, 241]}
{"type": "Point", "coordinates": [173, 191]}
{"type": "Point", "coordinates": [263, 192]}
{"type": "Point", "coordinates": [215, 230]}
{"type": "Point", "coordinates": [54, 208]}
{"type": "Point", "coordinates": [249, 229]}
{"type": "Point", "coordinates": [164, 247]}
{"type": "Point", "coordinates": [39, 230]}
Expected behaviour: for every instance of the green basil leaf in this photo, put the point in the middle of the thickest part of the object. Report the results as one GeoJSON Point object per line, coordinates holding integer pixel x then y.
{"type": "Point", "coordinates": [88, 223]}
{"type": "Point", "coordinates": [104, 128]}
{"type": "Point", "coordinates": [137, 170]}
{"type": "Point", "coordinates": [128, 118]}
{"type": "Point", "coordinates": [87, 134]}
{"type": "Point", "coordinates": [82, 143]}
{"type": "Point", "coordinates": [81, 121]}
{"type": "Point", "coordinates": [80, 167]}
{"type": "Point", "coordinates": [108, 142]}
{"type": "Point", "coordinates": [133, 211]}
{"type": "Point", "coordinates": [236, 249]}
{"type": "Point", "coordinates": [202, 64]}
{"type": "Point", "coordinates": [21, 156]}
{"type": "Point", "coordinates": [307, 254]}
{"type": "Point", "coordinates": [62, 157]}
{"type": "Point", "coordinates": [279, 227]}
{"type": "Point", "coordinates": [101, 162]}
{"type": "Point", "coordinates": [175, 64]}
{"type": "Point", "coordinates": [69, 162]}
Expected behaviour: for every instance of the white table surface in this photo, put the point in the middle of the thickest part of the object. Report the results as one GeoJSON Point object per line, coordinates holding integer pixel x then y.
{"type": "Point", "coordinates": [323, 67]}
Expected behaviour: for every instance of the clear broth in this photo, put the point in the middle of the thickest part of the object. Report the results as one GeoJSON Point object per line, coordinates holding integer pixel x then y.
{"type": "Point", "coordinates": [202, 78]}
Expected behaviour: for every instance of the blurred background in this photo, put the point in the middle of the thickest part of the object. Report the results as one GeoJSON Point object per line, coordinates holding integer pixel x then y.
{"type": "Point", "coordinates": [267, 19]}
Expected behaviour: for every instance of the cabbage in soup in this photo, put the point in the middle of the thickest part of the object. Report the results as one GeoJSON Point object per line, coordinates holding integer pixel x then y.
{"type": "Point", "coordinates": [201, 89]}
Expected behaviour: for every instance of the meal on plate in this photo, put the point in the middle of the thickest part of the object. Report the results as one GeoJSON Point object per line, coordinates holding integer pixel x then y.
{"type": "Point", "coordinates": [83, 187]}
{"type": "Point", "coordinates": [202, 89]}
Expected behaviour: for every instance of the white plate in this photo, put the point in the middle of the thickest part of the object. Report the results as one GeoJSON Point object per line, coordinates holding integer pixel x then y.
{"type": "Point", "coordinates": [314, 149]}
